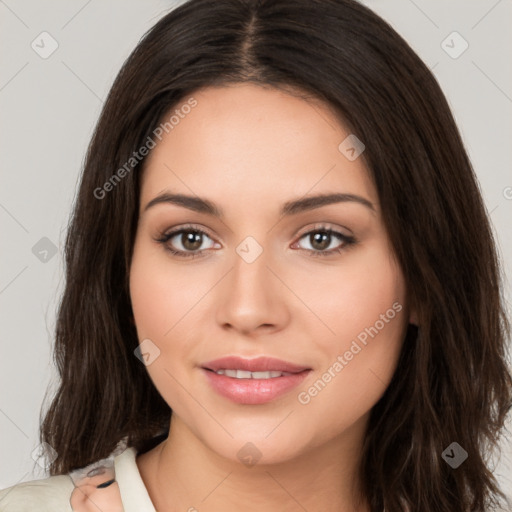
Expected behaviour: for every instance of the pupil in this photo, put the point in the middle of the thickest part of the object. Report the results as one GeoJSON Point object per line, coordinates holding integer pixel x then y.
{"type": "Point", "coordinates": [320, 237]}
{"type": "Point", "coordinates": [192, 240]}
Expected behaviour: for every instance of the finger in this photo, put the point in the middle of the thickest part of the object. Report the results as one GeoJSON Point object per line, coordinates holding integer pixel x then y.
{"type": "Point", "coordinates": [89, 498]}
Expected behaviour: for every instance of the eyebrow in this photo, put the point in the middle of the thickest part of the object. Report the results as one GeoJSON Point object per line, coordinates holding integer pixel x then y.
{"type": "Point", "coordinates": [294, 207]}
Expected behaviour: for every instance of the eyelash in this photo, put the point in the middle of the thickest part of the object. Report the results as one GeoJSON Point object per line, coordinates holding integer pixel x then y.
{"type": "Point", "coordinates": [347, 241]}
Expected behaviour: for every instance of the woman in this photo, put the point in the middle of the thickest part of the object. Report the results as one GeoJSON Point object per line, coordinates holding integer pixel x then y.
{"type": "Point", "coordinates": [282, 284]}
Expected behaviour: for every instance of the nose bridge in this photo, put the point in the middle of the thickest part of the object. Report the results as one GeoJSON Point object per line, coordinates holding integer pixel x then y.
{"type": "Point", "coordinates": [250, 265]}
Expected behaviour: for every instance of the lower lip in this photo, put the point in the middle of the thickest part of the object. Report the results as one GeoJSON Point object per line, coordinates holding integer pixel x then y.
{"type": "Point", "coordinates": [254, 391]}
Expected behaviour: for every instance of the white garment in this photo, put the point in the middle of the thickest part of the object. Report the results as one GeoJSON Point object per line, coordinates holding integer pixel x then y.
{"type": "Point", "coordinates": [53, 494]}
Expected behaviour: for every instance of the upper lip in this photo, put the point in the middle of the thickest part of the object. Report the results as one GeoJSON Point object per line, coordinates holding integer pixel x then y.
{"type": "Point", "coordinates": [257, 364]}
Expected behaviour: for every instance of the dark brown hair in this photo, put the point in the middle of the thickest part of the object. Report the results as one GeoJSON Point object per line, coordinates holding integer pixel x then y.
{"type": "Point", "coordinates": [452, 383]}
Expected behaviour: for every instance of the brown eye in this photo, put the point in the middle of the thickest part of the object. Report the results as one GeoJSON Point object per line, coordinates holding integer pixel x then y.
{"type": "Point", "coordinates": [191, 240]}
{"type": "Point", "coordinates": [186, 242]}
{"type": "Point", "coordinates": [322, 238]}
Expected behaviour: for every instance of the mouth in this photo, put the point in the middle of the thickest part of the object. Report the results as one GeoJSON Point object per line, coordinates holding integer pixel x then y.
{"type": "Point", "coordinates": [243, 374]}
{"type": "Point", "coordinates": [253, 381]}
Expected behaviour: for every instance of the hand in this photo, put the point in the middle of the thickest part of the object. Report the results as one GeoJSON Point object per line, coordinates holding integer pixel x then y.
{"type": "Point", "coordinates": [88, 497]}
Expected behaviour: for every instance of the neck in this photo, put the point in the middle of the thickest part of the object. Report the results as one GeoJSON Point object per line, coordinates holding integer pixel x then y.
{"type": "Point", "coordinates": [182, 473]}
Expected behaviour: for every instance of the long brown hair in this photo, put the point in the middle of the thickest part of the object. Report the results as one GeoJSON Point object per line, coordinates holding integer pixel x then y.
{"type": "Point", "coordinates": [452, 383]}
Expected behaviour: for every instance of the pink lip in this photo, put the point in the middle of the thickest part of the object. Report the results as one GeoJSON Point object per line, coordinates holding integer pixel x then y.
{"type": "Point", "coordinates": [253, 391]}
{"type": "Point", "coordinates": [257, 364]}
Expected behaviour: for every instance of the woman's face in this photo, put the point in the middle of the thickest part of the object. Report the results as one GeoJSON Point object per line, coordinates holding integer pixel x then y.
{"type": "Point", "coordinates": [267, 279]}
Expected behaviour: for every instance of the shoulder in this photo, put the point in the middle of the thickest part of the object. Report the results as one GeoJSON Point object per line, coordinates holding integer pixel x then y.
{"type": "Point", "coordinates": [45, 495]}
{"type": "Point", "coordinates": [59, 493]}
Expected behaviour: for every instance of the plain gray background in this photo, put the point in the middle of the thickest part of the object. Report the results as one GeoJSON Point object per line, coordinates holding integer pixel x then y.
{"type": "Point", "coordinates": [49, 107]}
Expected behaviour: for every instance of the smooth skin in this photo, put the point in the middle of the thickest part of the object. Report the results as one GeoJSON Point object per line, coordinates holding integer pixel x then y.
{"type": "Point", "coordinates": [248, 149]}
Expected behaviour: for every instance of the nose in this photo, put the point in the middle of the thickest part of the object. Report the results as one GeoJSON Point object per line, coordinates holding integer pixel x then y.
{"type": "Point", "coordinates": [252, 297]}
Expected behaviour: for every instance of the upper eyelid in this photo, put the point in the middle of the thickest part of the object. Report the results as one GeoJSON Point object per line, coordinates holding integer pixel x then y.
{"type": "Point", "coordinates": [316, 227]}
{"type": "Point", "coordinates": [186, 227]}
{"type": "Point", "coordinates": [326, 226]}
{"type": "Point", "coordinates": [171, 233]}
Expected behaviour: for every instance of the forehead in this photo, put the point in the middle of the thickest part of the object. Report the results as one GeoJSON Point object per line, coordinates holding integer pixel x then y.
{"type": "Point", "coordinates": [243, 141]}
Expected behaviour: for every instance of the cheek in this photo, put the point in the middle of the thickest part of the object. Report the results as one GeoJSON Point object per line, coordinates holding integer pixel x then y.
{"type": "Point", "coordinates": [161, 293]}
{"type": "Point", "coordinates": [371, 298]}
{"type": "Point", "coordinates": [351, 296]}
{"type": "Point", "coordinates": [368, 315]}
